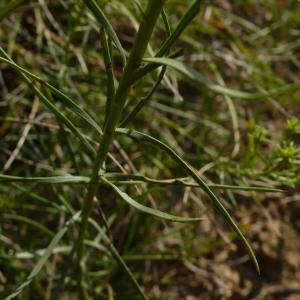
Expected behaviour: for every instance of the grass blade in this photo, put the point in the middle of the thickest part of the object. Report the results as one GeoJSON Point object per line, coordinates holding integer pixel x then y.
{"type": "Point", "coordinates": [194, 75]}
{"type": "Point", "coordinates": [67, 101]}
{"type": "Point", "coordinates": [51, 106]}
{"type": "Point", "coordinates": [101, 18]}
{"type": "Point", "coordinates": [183, 23]}
{"type": "Point", "coordinates": [193, 173]}
{"type": "Point", "coordinates": [131, 116]}
{"type": "Point", "coordinates": [134, 179]}
{"type": "Point", "coordinates": [148, 210]}
{"type": "Point", "coordinates": [50, 180]}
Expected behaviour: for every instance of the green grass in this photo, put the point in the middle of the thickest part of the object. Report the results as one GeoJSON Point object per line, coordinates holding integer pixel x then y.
{"type": "Point", "coordinates": [120, 101]}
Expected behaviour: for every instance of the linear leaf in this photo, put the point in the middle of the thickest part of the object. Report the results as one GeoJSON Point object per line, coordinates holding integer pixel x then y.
{"type": "Point", "coordinates": [148, 210]}
{"type": "Point", "coordinates": [67, 101]}
{"type": "Point", "coordinates": [135, 179]}
{"type": "Point", "coordinates": [130, 117]}
{"type": "Point", "coordinates": [193, 173]}
{"type": "Point", "coordinates": [194, 75]}
{"type": "Point", "coordinates": [52, 107]}
{"type": "Point", "coordinates": [187, 18]}
{"type": "Point", "coordinates": [51, 179]}
{"type": "Point", "coordinates": [101, 18]}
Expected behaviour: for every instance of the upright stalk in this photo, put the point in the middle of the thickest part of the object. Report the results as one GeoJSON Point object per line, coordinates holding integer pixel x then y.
{"type": "Point", "coordinates": [153, 10]}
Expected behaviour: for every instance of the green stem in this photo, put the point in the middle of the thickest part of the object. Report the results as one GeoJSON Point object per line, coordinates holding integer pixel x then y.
{"type": "Point", "coordinates": [161, 75]}
{"type": "Point", "coordinates": [107, 57]}
{"type": "Point", "coordinates": [191, 13]}
{"type": "Point", "coordinates": [153, 10]}
{"type": "Point", "coordinates": [86, 210]}
{"type": "Point", "coordinates": [152, 13]}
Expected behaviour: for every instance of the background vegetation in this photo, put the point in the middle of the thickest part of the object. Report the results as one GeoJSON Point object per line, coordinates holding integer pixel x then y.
{"type": "Point", "coordinates": [233, 140]}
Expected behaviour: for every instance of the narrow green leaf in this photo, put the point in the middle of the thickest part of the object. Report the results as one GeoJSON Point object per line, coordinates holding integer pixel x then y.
{"type": "Point", "coordinates": [67, 101]}
{"type": "Point", "coordinates": [183, 23]}
{"type": "Point", "coordinates": [130, 117]}
{"type": "Point", "coordinates": [51, 106]}
{"type": "Point", "coordinates": [148, 210]}
{"type": "Point", "coordinates": [134, 179]}
{"type": "Point", "coordinates": [42, 261]}
{"type": "Point", "coordinates": [193, 173]}
{"type": "Point", "coordinates": [101, 18]}
{"type": "Point", "coordinates": [194, 75]}
{"type": "Point", "coordinates": [166, 23]}
{"type": "Point", "coordinates": [52, 179]}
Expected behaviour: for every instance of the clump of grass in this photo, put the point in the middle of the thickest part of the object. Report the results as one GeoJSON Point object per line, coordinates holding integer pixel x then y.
{"type": "Point", "coordinates": [118, 117]}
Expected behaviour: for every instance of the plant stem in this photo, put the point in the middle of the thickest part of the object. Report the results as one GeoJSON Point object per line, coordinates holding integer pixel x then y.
{"type": "Point", "coordinates": [153, 10]}
{"type": "Point", "coordinates": [191, 13]}
{"type": "Point", "coordinates": [139, 48]}
{"type": "Point", "coordinates": [107, 57]}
